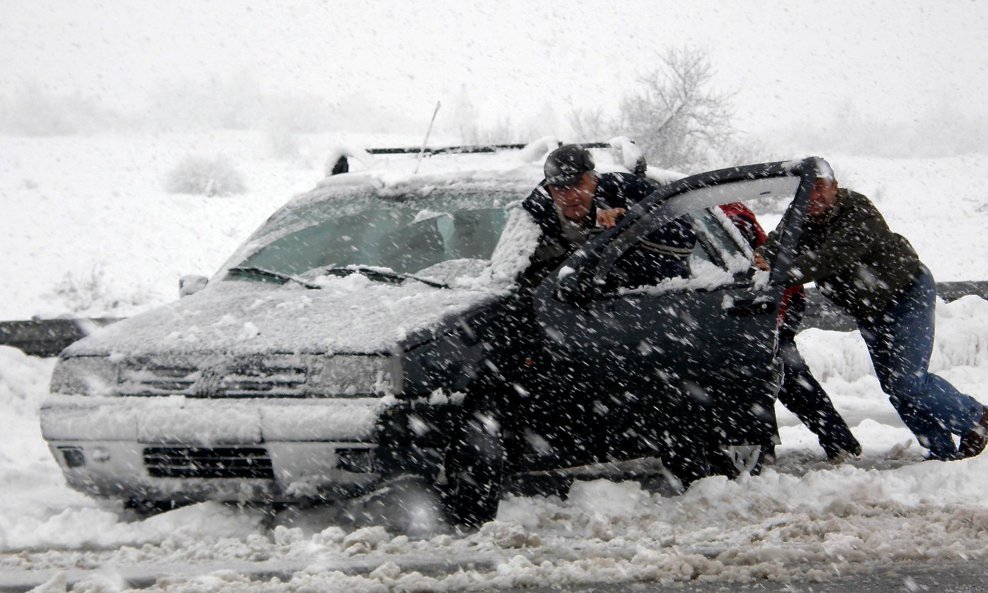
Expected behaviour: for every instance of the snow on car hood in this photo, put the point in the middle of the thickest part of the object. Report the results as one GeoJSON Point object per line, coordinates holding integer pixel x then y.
{"type": "Point", "coordinates": [347, 315]}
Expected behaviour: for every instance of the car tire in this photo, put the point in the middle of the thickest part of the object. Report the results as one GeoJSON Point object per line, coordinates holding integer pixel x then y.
{"type": "Point", "coordinates": [403, 503]}
{"type": "Point", "coordinates": [684, 471]}
{"type": "Point", "coordinates": [474, 472]}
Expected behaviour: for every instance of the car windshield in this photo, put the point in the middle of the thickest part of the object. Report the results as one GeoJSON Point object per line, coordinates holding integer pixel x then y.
{"type": "Point", "coordinates": [436, 240]}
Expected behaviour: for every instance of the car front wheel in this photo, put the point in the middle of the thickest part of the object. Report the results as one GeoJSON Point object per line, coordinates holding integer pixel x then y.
{"type": "Point", "coordinates": [474, 471]}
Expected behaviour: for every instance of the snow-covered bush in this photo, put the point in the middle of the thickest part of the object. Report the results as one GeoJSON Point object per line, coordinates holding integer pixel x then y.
{"type": "Point", "coordinates": [83, 291]}
{"type": "Point", "coordinates": [206, 177]}
{"type": "Point", "coordinates": [90, 294]}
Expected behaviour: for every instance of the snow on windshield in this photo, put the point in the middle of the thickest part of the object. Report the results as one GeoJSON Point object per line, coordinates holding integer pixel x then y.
{"type": "Point", "coordinates": [440, 232]}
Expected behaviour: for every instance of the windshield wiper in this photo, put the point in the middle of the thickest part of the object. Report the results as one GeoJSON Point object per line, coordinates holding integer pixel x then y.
{"type": "Point", "coordinates": [253, 271]}
{"type": "Point", "coordinates": [381, 275]}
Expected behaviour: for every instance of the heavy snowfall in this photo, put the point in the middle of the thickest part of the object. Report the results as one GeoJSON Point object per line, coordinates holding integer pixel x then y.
{"type": "Point", "coordinates": [95, 222]}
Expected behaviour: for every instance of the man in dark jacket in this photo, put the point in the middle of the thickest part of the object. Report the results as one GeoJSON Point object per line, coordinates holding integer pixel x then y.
{"type": "Point", "coordinates": [875, 276]}
{"type": "Point", "coordinates": [574, 203]}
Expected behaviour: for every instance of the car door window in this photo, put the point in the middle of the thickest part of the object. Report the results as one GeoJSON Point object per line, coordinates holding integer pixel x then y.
{"type": "Point", "coordinates": [720, 257]}
{"type": "Point", "coordinates": [721, 242]}
{"type": "Point", "coordinates": [717, 258]}
{"type": "Point", "coordinates": [707, 260]}
{"type": "Point", "coordinates": [655, 257]}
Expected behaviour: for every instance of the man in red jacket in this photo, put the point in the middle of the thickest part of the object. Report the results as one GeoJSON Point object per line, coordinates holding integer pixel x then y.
{"type": "Point", "coordinates": [801, 393]}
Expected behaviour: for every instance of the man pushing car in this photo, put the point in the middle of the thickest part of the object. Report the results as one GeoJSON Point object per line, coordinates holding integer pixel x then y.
{"type": "Point", "coordinates": [574, 202]}
{"type": "Point", "coordinates": [875, 275]}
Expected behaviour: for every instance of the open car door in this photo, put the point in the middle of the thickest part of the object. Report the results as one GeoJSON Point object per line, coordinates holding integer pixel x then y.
{"type": "Point", "coordinates": [683, 364]}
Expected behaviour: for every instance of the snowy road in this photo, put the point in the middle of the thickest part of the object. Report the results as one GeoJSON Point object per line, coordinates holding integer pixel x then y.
{"type": "Point", "coordinates": [950, 577]}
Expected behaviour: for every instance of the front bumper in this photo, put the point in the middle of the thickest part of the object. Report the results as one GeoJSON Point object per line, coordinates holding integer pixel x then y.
{"type": "Point", "coordinates": [181, 449]}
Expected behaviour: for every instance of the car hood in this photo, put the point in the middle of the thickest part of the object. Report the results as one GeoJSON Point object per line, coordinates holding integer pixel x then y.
{"type": "Point", "coordinates": [353, 315]}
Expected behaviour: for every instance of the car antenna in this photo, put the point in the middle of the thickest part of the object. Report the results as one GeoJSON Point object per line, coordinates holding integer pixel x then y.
{"type": "Point", "coordinates": [427, 134]}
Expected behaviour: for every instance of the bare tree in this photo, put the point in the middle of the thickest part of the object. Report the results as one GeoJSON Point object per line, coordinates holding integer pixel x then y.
{"type": "Point", "coordinates": [676, 118]}
{"type": "Point", "coordinates": [593, 124]}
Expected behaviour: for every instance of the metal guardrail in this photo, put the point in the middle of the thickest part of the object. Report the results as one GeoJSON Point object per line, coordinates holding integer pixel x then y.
{"type": "Point", "coordinates": [48, 337]}
{"type": "Point", "coordinates": [821, 314]}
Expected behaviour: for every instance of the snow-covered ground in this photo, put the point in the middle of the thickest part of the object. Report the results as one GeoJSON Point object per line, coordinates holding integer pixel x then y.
{"type": "Point", "coordinates": [87, 228]}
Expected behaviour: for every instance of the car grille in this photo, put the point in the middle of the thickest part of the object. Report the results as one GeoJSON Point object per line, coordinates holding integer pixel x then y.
{"type": "Point", "coordinates": [265, 379]}
{"type": "Point", "coordinates": [157, 380]}
{"type": "Point", "coordinates": [208, 462]}
{"type": "Point", "coordinates": [244, 378]}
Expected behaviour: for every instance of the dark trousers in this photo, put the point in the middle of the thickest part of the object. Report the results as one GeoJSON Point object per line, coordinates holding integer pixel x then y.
{"type": "Point", "coordinates": [900, 341]}
{"type": "Point", "coordinates": [803, 395]}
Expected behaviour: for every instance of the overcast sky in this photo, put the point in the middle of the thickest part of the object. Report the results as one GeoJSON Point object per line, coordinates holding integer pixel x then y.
{"type": "Point", "coordinates": [889, 60]}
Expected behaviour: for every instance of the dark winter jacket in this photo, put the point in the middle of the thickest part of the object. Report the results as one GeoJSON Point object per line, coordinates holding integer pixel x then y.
{"type": "Point", "coordinates": [662, 254]}
{"type": "Point", "coordinates": [856, 261]}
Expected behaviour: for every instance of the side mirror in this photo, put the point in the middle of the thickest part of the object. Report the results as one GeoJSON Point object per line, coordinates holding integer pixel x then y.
{"type": "Point", "coordinates": [191, 284]}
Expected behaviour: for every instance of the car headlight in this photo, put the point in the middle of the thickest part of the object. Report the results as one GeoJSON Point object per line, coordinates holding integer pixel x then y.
{"type": "Point", "coordinates": [87, 375]}
{"type": "Point", "coordinates": [356, 376]}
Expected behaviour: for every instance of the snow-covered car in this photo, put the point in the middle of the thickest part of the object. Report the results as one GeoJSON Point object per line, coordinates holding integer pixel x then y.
{"type": "Point", "coordinates": [352, 338]}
